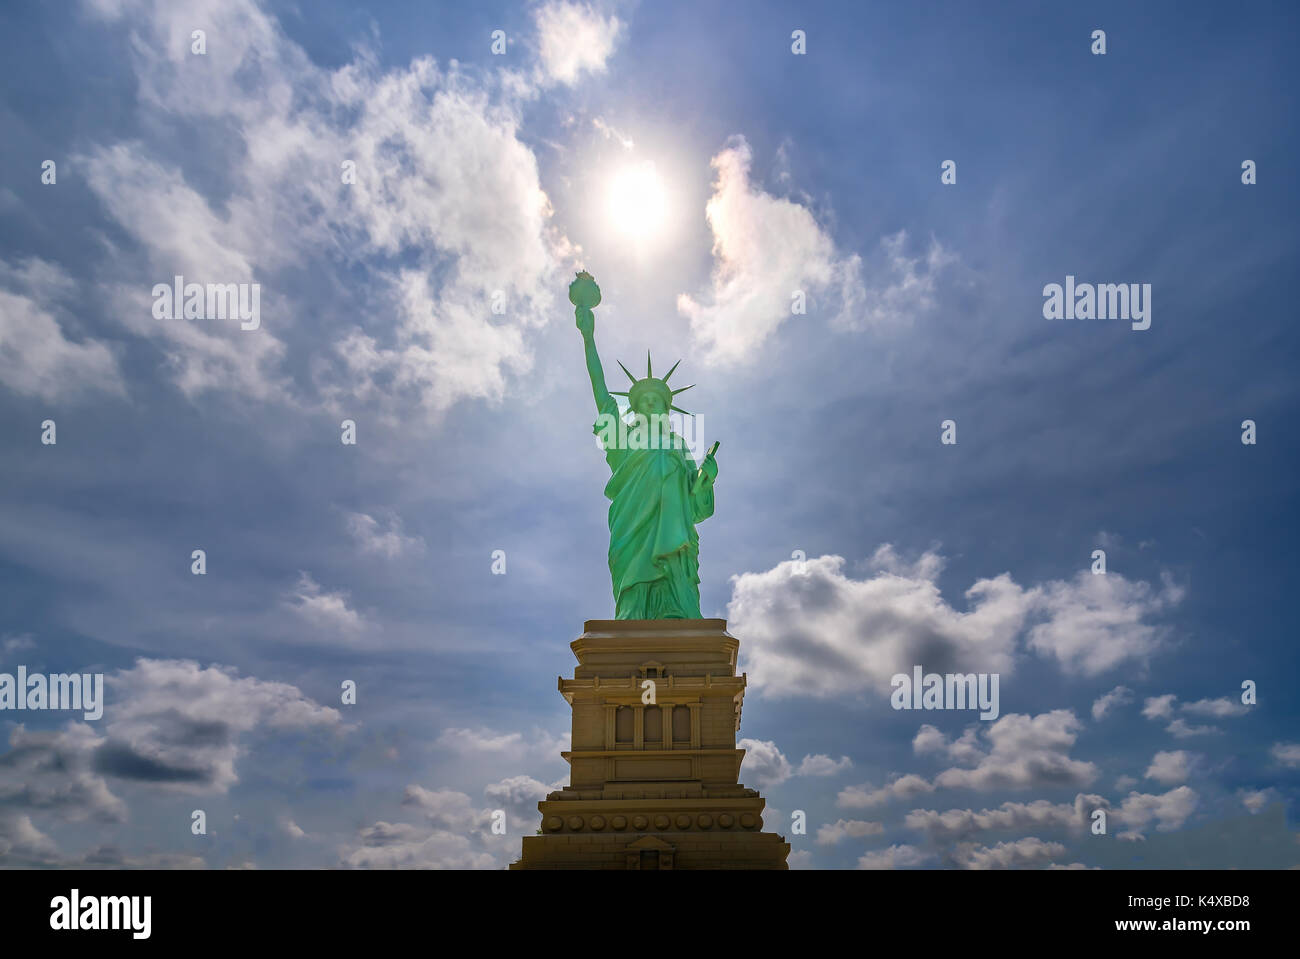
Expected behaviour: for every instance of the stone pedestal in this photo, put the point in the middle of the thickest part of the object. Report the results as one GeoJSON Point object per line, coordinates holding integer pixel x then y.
{"type": "Point", "coordinates": [654, 768]}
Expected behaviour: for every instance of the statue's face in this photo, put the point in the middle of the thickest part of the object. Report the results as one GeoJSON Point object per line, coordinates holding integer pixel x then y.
{"type": "Point", "coordinates": [651, 403]}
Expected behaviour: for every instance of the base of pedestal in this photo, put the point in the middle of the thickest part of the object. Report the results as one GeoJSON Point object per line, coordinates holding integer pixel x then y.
{"type": "Point", "coordinates": [654, 766]}
{"type": "Point", "coordinates": [653, 834]}
{"type": "Point", "coordinates": [762, 850]}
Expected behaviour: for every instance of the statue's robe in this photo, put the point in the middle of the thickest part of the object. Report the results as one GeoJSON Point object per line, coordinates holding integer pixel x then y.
{"type": "Point", "coordinates": [655, 502]}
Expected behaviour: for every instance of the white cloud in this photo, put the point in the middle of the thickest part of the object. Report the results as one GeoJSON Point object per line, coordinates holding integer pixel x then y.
{"type": "Point", "coordinates": [324, 610]}
{"type": "Point", "coordinates": [518, 790]}
{"type": "Point", "coordinates": [610, 133]}
{"type": "Point", "coordinates": [513, 746]}
{"type": "Point", "coordinates": [36, 356]}
{"type": "Point", "coordinates": [1020, 854]}
{"type": "Point", "coordinates": [373, 537]}
{"type": "Point", "coordinates": [1182, 729]}
{"type": "Point", "coordinates": [573, 39]}
{"type": "Point", "coordinates": [181, 234]}
{"type": "Point", "coordinates": [1159, 707]}
{"type": "Point", "coordinates": [1104, 703]}
{"type": "Point", "coordinates": [1098, 622]}
{"type": "Point", "coordinates": [1167, 810]}
{"type": "Point", "coordinates": [800, 859]}
{"type": "Point", "coordinates": [1288, 754]}
{"type": "Point", "coordinates": [764, 248]}
{"type": "Point", "coordinates": [866, 796]}
{"type": "Point", "coordinates": [928, 739]}
{"type": "Point", "coordinates": [442, 181]}
{"type": "Point", "coordinates": [1169, 767]}
{"type": "Point", "coordinates": [469, 741]}
{"type": "Point", "coordinates": [14, 644]}
{"type": "Point", "coordinates": [1025, 752]}
{"type": "Point", "coordinates": [519, 796]}
{"type": "Point", "coordinates": [1163, 707]}
{"type": "Point", "coordinates": [964, 749]}
{"type": "Point", "coordinates": [21, 843]}
{"type": "Point", "coordinates": [895, 857]}
{"type": "Point", "coordinates": [905, 288]}
{"type": "Point", "coordinates": [1257, 799]}
{"type": "Point", "coordinates": [820, 765]}
{"type": "Point", "coordinates": [764, 763]}
{"type": "Point", "coordinates": [108, 856]}
{"type": "Point", "coordinates": [842, 829]}
{"type": "Point", "coordinates": [816, 631]}
{"type": "Point", "coordinates": [177, 725]}
{"type": "Point", "coordinates": [1221, 708]}
{"type": "Point", "coordinates": [812, 630]}
{"type": "Point", "coordinates": [455, 834]}
{"type": "Point", "coordinates": [1039, 814]}
{"type": "Point", "coordinates": [1108, 540]}
{"type": "Point", "coordinates": [52, 773]}
{"type": "Point", "coordinates": [447, 808]}
{"type": "Point", "coordinates": [170, 725]}
{"type": "Point", "coordinates": [403, 846]}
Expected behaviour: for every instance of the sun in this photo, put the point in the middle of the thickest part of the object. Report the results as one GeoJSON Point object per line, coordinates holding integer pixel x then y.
{"type": "Point", "coordinates": [636, 200]}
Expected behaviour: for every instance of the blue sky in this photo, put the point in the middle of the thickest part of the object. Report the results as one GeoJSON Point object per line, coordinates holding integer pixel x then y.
{"type": "Point", "coordinates": [479, 174]}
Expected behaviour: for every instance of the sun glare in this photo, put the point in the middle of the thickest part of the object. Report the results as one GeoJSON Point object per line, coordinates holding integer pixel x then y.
{"type": "Point", "coordinates": [636, 201]}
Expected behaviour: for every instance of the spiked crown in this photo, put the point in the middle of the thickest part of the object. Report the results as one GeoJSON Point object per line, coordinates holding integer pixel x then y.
{"type": "Point", "coordinates": [652, 384]}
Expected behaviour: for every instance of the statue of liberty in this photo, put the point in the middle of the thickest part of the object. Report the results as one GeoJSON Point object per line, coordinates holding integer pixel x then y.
{"type": "Point", "coordinates": [656, 493]}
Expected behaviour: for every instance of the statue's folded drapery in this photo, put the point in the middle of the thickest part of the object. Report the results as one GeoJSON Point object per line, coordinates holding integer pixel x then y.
{"type": "Point", "coordinates": [655, 502]}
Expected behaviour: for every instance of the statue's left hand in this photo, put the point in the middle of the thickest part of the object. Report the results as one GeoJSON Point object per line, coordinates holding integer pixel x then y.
{"type": "Point", "coordinates": [710, 467]}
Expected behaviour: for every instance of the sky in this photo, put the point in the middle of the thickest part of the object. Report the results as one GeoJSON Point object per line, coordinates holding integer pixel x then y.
{"type": "Point", "coordinates": [845, 220]}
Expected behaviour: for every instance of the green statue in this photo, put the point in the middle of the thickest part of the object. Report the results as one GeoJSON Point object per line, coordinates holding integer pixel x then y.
{"type": "Point", "coordinates": [656, 493]}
